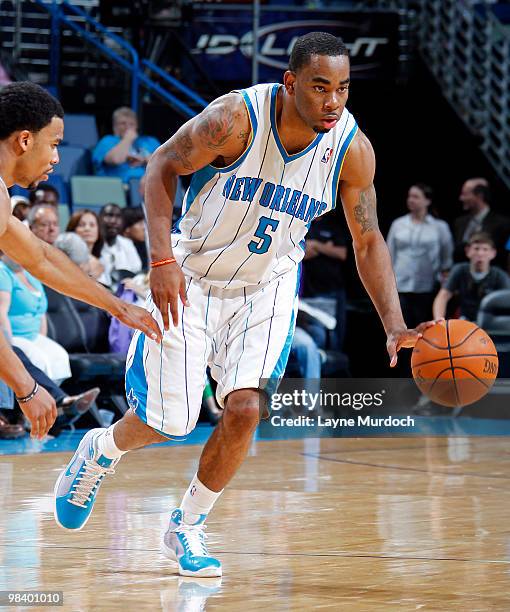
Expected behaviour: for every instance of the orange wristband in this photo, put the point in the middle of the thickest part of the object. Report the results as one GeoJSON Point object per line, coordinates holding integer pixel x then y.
{"type": "Point", "coordinates": [162, 262]}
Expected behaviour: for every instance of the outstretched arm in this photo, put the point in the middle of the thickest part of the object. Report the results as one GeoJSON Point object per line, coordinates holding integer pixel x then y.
{"type": "Point", "coordinates": [41, 410]}
{"type": "Point", "coordinates": [372, 256]}
{"type": "Point", "coordinates": [218, 134]}
{"type": "Point", "coordinates": [56, 270]}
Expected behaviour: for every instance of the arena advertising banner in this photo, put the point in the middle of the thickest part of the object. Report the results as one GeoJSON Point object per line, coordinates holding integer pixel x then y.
{"type": "Point", "coordinates": [222, 41]}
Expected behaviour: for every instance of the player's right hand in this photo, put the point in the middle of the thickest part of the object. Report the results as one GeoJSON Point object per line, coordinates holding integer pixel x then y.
{"type": "Point", "coordinates": [167, 286]}
{"type": "Point", "coordinates": [41, 411]}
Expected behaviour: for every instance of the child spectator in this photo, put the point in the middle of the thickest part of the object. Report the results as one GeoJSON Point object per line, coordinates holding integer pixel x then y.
{"type": "Point", "coordinates": [472, 281]}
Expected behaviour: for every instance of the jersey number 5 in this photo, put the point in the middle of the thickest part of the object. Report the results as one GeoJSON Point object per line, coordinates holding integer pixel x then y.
{"type": "Point", "coordinates": [265, 224]}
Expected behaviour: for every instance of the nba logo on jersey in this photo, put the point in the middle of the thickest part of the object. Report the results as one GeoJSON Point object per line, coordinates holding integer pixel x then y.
{"type": "Point", "coordinates": [327, 155]}
{"type": "Point", "coordinates": [193, 490]}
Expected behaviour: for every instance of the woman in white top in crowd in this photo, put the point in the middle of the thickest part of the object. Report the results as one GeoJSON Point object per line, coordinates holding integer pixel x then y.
{"type": "Point", "coordinates": [421, 248]}
{"type": "Point", "coordinates": [23, 306]}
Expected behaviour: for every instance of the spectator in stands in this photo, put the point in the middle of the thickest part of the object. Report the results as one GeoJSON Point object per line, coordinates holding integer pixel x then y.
{"type": "Point", "coordinates": [20, 207]}
{"type": "Point", "coordinates": [134, 229]}
{"type": "Point", "coordinates": [325, 251]}
{"type": "Point", "coordinates": [23, 306]}
{"type": "Point", "coordinates": [475, 197]}
{"type": "Point", "coordinates": [43, 221]}
{"type": "Point", "coordinates": [69, 407]}
{"type": "Point", "coordinates": [76, 249]}
{"type": "Point", "coordinates": [421, 248]}
{"type": "Point", "coordinates": [471, 281]}
{"type": "Point", "coordinates": [305, 352]}
{"type": "Point", "coordinates": [8, 430]}
{"type": "Point", "coordinates": [124, 153]}
{"type": "Point", "coordinates": [118, 254]}
{"type": "Point", "coordinates": [44, 194]}
{"type": "Point", "coordinates": [85, 223]}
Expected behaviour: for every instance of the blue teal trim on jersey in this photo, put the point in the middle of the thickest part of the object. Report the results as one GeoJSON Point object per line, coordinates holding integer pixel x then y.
{"type": "Point", "coordinates": [281, 364]}
{"type": "Point", "coordinates": [136, 382]}
{"type": "Point", "coordinates": [340, 163]}
{"type": "Point", "coordinates": [254, 125]}
{"type": "Point", "coordinates": [251, 110]}
{"type": "Point", "coordinates": [200, 179]}
{"type": "Point", "coordinates": [298, 275]}
{"type": "Point", "coordinates": [286, 157]}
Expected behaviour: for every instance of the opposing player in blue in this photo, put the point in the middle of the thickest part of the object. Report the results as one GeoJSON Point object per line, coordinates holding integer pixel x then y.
{"type": "Point", "coordinates": [266, 161]}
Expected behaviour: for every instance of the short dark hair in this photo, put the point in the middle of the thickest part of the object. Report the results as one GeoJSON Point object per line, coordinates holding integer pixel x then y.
{"type": "Point", "coordinates": [32, 197]}
{"type": "Point", "coordinates": [481, 238]}
{"type": "Point", "coordinates": [130, 216]}
{"type": "Point", "coordinates": [109, 205]}
{"type": "Point", "coordinates": [427, 190]}
{"type": "Point", "coordinates": [26, 106]}
{"type": "Point", "coordinates": [315, 43]}
{"type": "Point", "coordinates": [482, 191]}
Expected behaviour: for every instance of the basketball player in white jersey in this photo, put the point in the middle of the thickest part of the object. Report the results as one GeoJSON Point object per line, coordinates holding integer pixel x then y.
{"type": "Point", "coordinates": [31, 127]}
{"type": "Point", "coordinates": [266, 161]}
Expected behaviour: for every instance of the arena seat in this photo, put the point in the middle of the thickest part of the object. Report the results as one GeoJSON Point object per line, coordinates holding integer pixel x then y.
{"type": "Point", "coordinates": [80, 130]}
{"type": "Point", "coordinates": [97, 191]}
{"type": "Point", "coordinates": [57, 180]}
{"type": "Point", "coordinates": [494, 318]}
{"type": "Point", "coordinates": [81, 329]}
{"type": "Point", "coordinates": [73, 160]}
{"type": "Point", "coordinates": [63, 216]}
{"type": "Point", "coordinates": [135, 199]}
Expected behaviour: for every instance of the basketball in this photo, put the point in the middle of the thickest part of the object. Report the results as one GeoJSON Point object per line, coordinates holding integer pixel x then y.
{"type": "Point", "coordinates": [455, 363]}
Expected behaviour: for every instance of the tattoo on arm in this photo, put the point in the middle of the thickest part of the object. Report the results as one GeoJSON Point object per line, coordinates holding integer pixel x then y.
{"type": "Point", "coordinates": [180, 150]}
{"type": "Point", "coordinates": [365, 211]}
{"type": "Point", "coordinates": [244, 136]}
{"type": "Point", "coordinates": [216, 127]}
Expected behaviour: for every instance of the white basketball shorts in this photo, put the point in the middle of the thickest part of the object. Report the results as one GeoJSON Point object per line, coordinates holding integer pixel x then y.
{"type": "Point", "coordinates": [243, 335]}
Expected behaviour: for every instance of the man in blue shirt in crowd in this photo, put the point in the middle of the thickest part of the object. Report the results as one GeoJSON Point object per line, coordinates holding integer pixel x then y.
{"type": "Point", "coordinates": [124, 153]}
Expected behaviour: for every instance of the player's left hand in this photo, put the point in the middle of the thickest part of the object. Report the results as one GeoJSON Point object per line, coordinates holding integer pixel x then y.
{"type": "Point", "coordinates": [138, 318]}
{"type": "Point", "coordinates": [405, 338]}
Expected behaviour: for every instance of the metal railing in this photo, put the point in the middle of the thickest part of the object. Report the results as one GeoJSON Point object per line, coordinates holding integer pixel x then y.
{"type": "Point", "coordinates": [468, 51]}
{"type": "Point", "coordinates": [118, 51]}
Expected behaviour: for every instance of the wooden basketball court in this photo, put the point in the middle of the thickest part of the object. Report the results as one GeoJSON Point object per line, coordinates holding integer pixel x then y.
{"type": "Point", "coordinates": [332, 524]}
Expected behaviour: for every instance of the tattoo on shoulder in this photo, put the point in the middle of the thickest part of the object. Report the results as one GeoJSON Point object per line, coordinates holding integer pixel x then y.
{"type": "Point", "coordinates": [216, 126]}
{"type": "Point", "coordinates": [365, 211]}
{"type": "Point", "coordinates": [180, 149]}
{"type": "Point", "coordinates": [244, 135]}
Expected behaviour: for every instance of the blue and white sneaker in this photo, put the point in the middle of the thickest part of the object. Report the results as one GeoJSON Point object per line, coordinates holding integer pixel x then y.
{"type": "Point", "coordinates": [77, 485]}
{"type": "Point", "coordinates": [185, 545]}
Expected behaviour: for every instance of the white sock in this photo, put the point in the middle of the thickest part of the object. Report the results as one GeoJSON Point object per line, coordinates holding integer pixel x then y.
{"type": "Point", "coordinates": [106, 444]}
{"type": "Point", "coordinates": [197, 500]}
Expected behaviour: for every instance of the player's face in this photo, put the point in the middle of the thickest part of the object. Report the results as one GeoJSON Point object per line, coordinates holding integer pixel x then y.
{"type": "Point", "coordinates": [321, 89]}
{"type": "Point", "coordinates": [39, 153]}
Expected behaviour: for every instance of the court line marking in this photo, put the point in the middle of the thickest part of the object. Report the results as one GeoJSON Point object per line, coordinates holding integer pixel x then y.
{"type": "Point", "coordinates": [340, 555]}
{"type": "Point", "coordinates": [402, 468]}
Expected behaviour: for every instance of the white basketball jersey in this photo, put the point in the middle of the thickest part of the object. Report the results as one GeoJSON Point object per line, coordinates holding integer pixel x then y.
{"type": "Point", "coordinates": [246, 223]}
